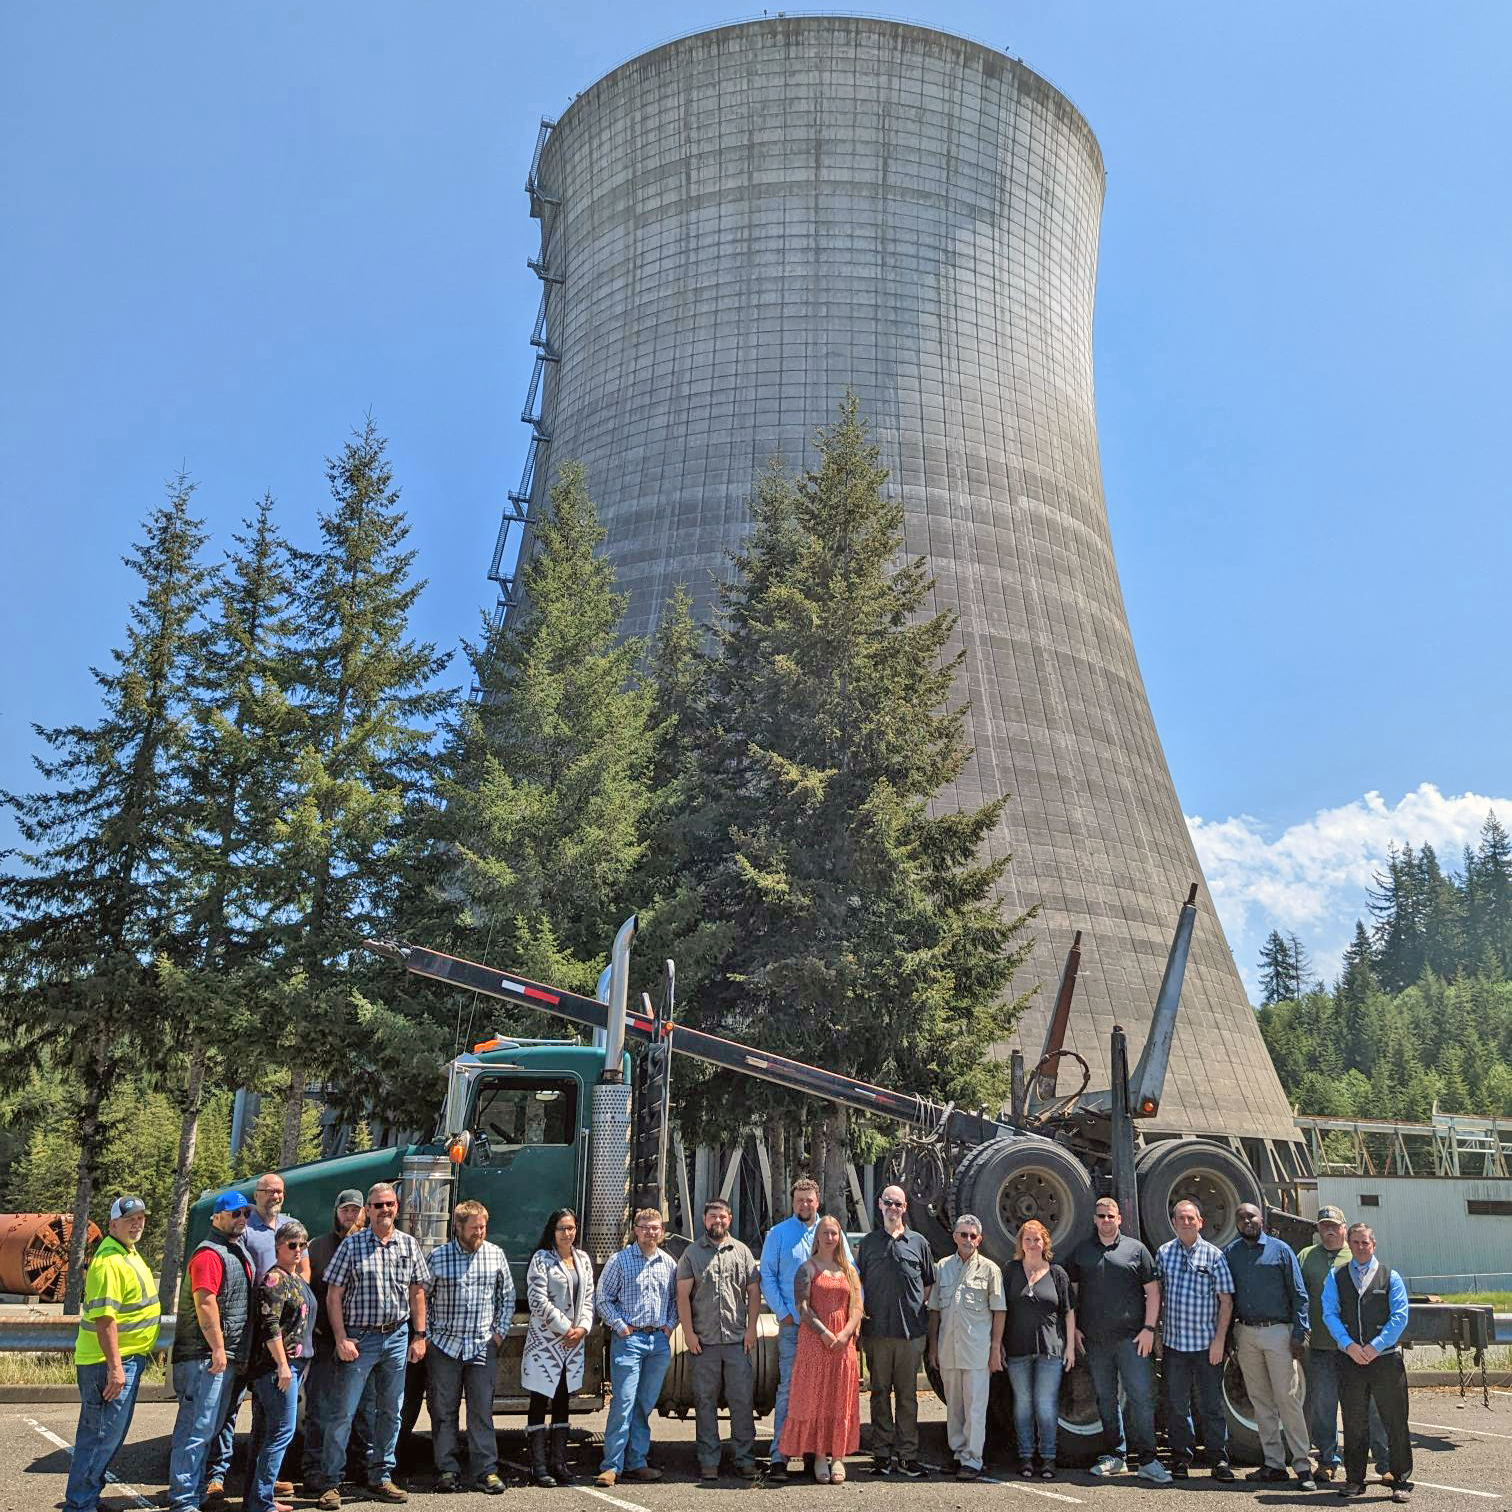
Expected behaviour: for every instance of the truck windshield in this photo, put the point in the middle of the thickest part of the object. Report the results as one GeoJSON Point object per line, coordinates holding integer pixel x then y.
{"type": "Point", "coordinates": [524, 1113]}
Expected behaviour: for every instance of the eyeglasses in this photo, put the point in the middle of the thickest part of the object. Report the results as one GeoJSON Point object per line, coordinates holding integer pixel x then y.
{"type": "Point", "coordinates": [1101, 1216]}
{"type": "Point", "coordinates": [892, 1202]}
{"type": "Point", "coordinates": [383, 1204]}
{"type": "Point", "coordinates": [241, 1212]}
{"type": "Point", "coordinates": [293, 1244]}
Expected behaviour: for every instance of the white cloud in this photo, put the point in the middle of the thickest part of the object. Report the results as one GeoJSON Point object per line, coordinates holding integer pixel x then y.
{"type": "Point", "coordinates": [1312, 877]}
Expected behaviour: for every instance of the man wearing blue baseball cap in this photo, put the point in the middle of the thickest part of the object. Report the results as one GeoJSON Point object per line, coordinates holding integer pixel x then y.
{"type": "Point", "coordinates": [212, 1346]}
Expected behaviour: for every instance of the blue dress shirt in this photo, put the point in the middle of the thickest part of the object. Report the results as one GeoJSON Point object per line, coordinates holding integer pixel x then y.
{"type": "Point", "coordinates": [1396, 1292]}
{"type": "Point", "coordinates": [787, 1246]}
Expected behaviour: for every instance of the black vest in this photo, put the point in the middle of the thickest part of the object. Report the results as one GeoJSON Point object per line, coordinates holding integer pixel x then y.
{"type": "Point", "coordinates": [234, 1298]}
{"type": "Point", "coordinates": [1364, 1313]}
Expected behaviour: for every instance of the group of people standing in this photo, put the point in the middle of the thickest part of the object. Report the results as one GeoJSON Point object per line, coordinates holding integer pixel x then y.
{"type": "Point", "coordinates": [267, 1312]}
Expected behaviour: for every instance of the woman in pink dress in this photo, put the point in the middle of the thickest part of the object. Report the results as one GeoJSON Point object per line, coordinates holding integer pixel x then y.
{"type": "Point", "coordinates": [824, 1403]}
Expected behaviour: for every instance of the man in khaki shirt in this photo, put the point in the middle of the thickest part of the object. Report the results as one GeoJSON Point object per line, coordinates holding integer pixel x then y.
{"type": "Point", "coordinates": [967, 1311]}
{"type": "Point", "coordinates": [718, 1302]}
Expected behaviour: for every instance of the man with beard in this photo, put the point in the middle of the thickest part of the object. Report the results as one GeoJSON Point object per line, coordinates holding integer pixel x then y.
{"type": "Point", "coordinates": [472, 1298]}
{"type": "Point", "coordinates": [718, 1301]}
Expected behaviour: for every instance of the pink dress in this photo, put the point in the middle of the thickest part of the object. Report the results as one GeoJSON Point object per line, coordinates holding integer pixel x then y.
{"type": "Point", "coordinates": [824, 1401]}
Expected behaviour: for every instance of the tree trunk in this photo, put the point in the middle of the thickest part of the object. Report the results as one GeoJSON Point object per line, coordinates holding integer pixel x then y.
{"type": "Point", "coordinates": [293, 1118]}
{"type": "Point", "coordinates": [95, 1082]}
{"type": "Point", "coordinates": [777, 1157]}
{"type": "Point", "coordinates": [835, 1148]}
{"type": "Point", "coordinates": [178, 1204]}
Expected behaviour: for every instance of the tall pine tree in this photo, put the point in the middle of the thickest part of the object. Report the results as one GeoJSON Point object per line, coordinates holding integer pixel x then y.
{"type": "Point", "coordinates": [842, 922]}
{"type": "Point", "coordinates": [94, 899]}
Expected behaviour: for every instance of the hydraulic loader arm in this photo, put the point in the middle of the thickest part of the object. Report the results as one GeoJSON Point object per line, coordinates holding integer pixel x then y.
{"type": "Point", "coordinates": [905, 1107]}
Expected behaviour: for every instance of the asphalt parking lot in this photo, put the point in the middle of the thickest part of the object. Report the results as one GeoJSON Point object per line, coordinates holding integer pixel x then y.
{"type": "Point", "coordinates": [1463, 1459]}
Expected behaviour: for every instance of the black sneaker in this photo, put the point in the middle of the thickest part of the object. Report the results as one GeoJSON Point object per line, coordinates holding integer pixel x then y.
{"type": "Point", "coordinates": [911, 1468]}
{"type": "Point", "coordinates": [447, 1483]}
{"type": "Point", "coordinates": [969, 1472]}
{"type": "Point", "coordinates": [1180, 1470]}
{"type": "Point", "coordinates": [1223, 1471]}
{"type": "Point", "coordinates": [881, 1464]}
{"type": "Point", "coordinates": [1351, 1488]}
{"type": "Point", "coordinates": [1269, 1473]}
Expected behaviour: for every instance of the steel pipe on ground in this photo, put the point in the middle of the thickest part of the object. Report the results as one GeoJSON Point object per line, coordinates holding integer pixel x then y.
{"type": "Point", "coordinates": [57, 1335]}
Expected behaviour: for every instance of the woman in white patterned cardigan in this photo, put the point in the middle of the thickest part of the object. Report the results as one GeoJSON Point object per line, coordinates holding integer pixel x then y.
{"type": "Point", "coordinates": [559, 1291]}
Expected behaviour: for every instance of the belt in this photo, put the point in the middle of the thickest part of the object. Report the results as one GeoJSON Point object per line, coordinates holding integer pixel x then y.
{"type": "Point", "coordinates": [646, 1328]}
{"type": "Point", "coordinates": [1264, 1322]}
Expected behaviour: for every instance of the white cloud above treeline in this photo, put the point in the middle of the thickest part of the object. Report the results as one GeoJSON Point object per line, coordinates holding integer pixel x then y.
{"type": "Point", "coordinates": [1311, 879]}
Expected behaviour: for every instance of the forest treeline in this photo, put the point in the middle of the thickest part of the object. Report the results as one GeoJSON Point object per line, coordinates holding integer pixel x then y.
{"type": "Point", "coordinates": [275, 766]}
{"type": "Point", "coordinates": [1421, 1014]}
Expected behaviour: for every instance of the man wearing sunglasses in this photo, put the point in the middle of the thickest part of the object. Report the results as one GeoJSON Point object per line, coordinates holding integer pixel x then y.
{"type": "Point", "coordinates": [212, 1347]}
{"type": "Point", "coordinates": [897, 1271]}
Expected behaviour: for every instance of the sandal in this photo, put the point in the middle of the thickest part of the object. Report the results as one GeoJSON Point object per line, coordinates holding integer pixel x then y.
{"type": "Point", "coordinates": [1048, 1472]}
{"type": "Point", "coordinates": [837, 1472]}
{"type": "Point", "coordinates": [1026, 1471]}
{"type": "Point", "coordinates": [822, 1469]}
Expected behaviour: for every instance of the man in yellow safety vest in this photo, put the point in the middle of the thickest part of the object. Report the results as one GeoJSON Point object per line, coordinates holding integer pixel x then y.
{"type": "Point", "coordinates": [118, 1328]}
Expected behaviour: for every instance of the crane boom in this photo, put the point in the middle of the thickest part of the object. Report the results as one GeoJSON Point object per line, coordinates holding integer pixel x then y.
{"type": "Point", "coordinates": [730, 1055]}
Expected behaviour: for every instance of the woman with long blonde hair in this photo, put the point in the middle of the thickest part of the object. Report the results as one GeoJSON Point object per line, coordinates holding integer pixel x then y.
{"type": "Point", "coordinates": [1039, 1342]}
{"type": "Point", "coordinates": [824, 1402]}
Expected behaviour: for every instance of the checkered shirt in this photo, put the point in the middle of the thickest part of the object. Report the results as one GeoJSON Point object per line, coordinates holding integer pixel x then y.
{"type": "Point", "coordinates": [638, 1292]}
{"type": "Point", "coordinates": [376, 1278]}
{"type": "Point", "coordinates": [471, 1298]}
{"type": "Point", "coordinates": [1191, 1281]}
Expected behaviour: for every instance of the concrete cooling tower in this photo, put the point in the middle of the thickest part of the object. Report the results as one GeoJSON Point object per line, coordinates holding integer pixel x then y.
{"type": "Point", "coordinates": [740, 225]}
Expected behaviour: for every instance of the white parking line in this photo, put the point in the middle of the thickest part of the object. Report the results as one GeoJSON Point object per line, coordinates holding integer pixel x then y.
{"type": "Point", "coordinates": [1013, 1485]}
{"type": "Point", "coordinates": [614, 1501]}
{"type": "Point", "coordinates": [137, 1499]}
{"type": "Point", "coordinates": [1463, 1490]}
{"type": "Point", "coordinates": [1460, 1428]}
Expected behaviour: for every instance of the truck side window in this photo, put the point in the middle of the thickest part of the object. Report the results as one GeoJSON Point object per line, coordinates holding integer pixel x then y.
{"type": "Point", "coordinates": [524, 1113]}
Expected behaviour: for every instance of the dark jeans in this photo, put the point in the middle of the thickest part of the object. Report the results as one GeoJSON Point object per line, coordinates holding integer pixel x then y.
{"type": "Point", "coordinates": [102, 1430]}
{"type": "Point", "coordinates": [450, 1378]}
{"type": "Point", "coordinates": [1111, 1361]}
{"type": "Point", "coordinates": [1384, 1382]}
{"type": "Point", "coordinates": [1036, 1403]}
{"type": "Point", "coordinates": [274, 1414]}
{"type": "Point", "coordinates": [1187, 1375]}
{"type": "Point", "coordinates": [1321, 1368]}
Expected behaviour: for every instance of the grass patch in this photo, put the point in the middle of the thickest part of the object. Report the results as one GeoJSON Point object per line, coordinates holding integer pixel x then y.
{"type": "Point", "coordinates": [1500, 1301]}
{"type": "Point", "coordinates": [57, 1369]}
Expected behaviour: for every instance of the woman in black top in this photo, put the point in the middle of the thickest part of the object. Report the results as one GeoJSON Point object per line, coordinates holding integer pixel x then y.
{"type": "Point", "coordinates": [1040, 1344]}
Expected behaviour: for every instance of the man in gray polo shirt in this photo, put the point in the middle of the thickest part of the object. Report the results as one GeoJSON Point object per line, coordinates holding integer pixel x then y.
{"type": "Point", "coordinates": [718, 1302]}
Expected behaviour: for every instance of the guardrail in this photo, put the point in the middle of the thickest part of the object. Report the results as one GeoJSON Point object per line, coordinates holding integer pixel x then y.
{"type": "Point", "coordinates": [56, 1335]}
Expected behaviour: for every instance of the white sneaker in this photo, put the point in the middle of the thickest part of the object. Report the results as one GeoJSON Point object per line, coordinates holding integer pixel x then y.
{"type": "Point", "coordinates": [1155, 1471]}
{"type": "Point", "coordinates": [1109, 1464]}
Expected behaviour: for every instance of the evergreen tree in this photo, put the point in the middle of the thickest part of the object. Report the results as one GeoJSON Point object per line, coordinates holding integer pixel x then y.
{"type": "Point", "coordinates": [94, 900]}
{"type": "Point", "coordinates": [547, 782]}
{"type": "Point", "coordinates": [1303, 978]}
{"type": "Point", "coordinates": [841, 922]}
{"type": "Point", "coordinates": [1277, 970]}
{"type": "Point", "coordinates": [1488, 897]}
{"type": "Point", "coordinates": [367, 703]}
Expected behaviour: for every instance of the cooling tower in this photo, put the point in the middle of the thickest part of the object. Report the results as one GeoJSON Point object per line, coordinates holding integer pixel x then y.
{"type": "Point", "coordinates": [738, 226]}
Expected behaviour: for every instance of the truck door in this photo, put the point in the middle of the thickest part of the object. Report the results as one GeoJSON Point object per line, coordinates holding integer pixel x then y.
{"type": "Point", "coordinates": [524, 1158]}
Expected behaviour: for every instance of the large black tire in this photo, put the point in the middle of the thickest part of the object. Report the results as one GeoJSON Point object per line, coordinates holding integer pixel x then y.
{"type": "Point", "coordinates": [1216, 1178]}
{"type": "Point", "coordinates": [1078, 1435]}
{"type": "Point", "coordinates": [1007, 1181]}
{"type": "Point", "coordinates": [1243, 1434]}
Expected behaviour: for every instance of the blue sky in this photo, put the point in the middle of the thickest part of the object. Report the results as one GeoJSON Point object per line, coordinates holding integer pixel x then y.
{"type": "Point", "coordinates": [230, 231]}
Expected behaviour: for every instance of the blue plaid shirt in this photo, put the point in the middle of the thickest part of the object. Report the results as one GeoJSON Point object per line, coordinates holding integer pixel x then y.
{"type": "Point", "coordinates": [376, 1277]}
{"type": "Point", "coordinates": [636, 1292]}
{"type": "Point", "coordinates": [471, 1298]}
{"type": "Point", "coordinates": [1191, 1281]}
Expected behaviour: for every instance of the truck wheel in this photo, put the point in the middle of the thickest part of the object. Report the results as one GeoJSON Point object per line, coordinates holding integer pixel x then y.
{"type": "Point", "coordinates": [1008, 1181]}
{"type": "Point", "coordinates": [1078, 1434]}
{"type": "Point", "coordinates": [1239, 1412]}
{"type": "Point", "coordinates": [1213, 1176]}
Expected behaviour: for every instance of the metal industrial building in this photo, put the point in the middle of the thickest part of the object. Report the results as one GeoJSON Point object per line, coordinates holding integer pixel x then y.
{"type": "Point", "coordinates": [738, 226]}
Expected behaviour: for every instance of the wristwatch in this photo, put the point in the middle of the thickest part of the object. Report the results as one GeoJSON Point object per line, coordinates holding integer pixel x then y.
{"type": "Point", "coordinates": [417, 1333]}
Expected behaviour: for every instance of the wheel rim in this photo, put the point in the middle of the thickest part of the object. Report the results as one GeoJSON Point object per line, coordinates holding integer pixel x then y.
{"type": "Point", "coordinates": [1236, 1398]}
{"type": "Point", "coordinates": [1035, 1192]}
{"type": "Point", "coordinates": [1077, 1412]}
{"type": "Point", "coordinates": [1217, 1197]}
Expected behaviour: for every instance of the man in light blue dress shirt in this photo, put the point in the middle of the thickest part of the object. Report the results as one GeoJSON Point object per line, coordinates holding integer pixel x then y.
{"type": "Point", "coordinates": [787, 1246]}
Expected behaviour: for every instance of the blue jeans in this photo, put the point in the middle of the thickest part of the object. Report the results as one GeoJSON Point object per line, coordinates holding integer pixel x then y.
{"type": "Point", "coordinates": [1188, 1373]}
{"type": "Point", "coordinates": [787, 1351]}
{"type": "Point", "coordinates": [102, 1430]}
{"type": "Point", "coordinates": [1111, 1361]}
{"type": "Point", "coordinates": [636, 1367]}
{"type": "Point", "coordinates": [218, 1461]}
{"type": "Point", "coordinates": [382, 1357]}
{"type": "Point", "coordinates": [1036, 1403]}
{"type": "Point", "coordinates": [274, 1413]}
{"type": "Point", "coordinates": [1321, 1369]}
{"type": "Point", "coordinates": [204, 1400]}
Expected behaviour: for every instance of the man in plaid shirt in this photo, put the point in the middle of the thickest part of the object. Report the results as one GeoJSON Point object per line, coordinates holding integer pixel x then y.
{"type": "Point", "coordinates": [1197, 1302]}
{"type": "Point", "coordinates": [472, 1296]}
{"type": "Point", "coordinates": [375, 1285]}
{"type": "Point", "coordinates": [636, 1297]}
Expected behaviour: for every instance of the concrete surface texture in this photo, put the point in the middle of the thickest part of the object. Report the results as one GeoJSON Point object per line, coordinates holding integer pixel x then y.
{"type": "Point", "coordinates": [746, 222]}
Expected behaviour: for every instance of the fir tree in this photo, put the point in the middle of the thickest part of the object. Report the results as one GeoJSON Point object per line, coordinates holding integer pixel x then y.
{"type": "Point", "coordinates": [547, 784]}
{"type": "Point", "coordinates": [1277, 970]}
{"type": "Point", "coordinates": [841, 922]}
{"type": "Point", "coordinates": [367, 703]}
{"type": "Point", "coordinates": [95, 898]}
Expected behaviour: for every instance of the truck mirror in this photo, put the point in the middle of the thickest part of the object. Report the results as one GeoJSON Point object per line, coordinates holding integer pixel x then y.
{"type": "Point", "coordinates": [458, 1147]}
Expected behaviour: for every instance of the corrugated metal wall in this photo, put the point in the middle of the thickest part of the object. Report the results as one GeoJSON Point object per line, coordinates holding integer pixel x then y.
{"type": "Point", "coordinates": [1424, 1227]}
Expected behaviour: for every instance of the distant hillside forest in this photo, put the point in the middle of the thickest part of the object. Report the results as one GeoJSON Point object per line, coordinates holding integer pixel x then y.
{"type": "Point", "coordinates": [1422, 1011]}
